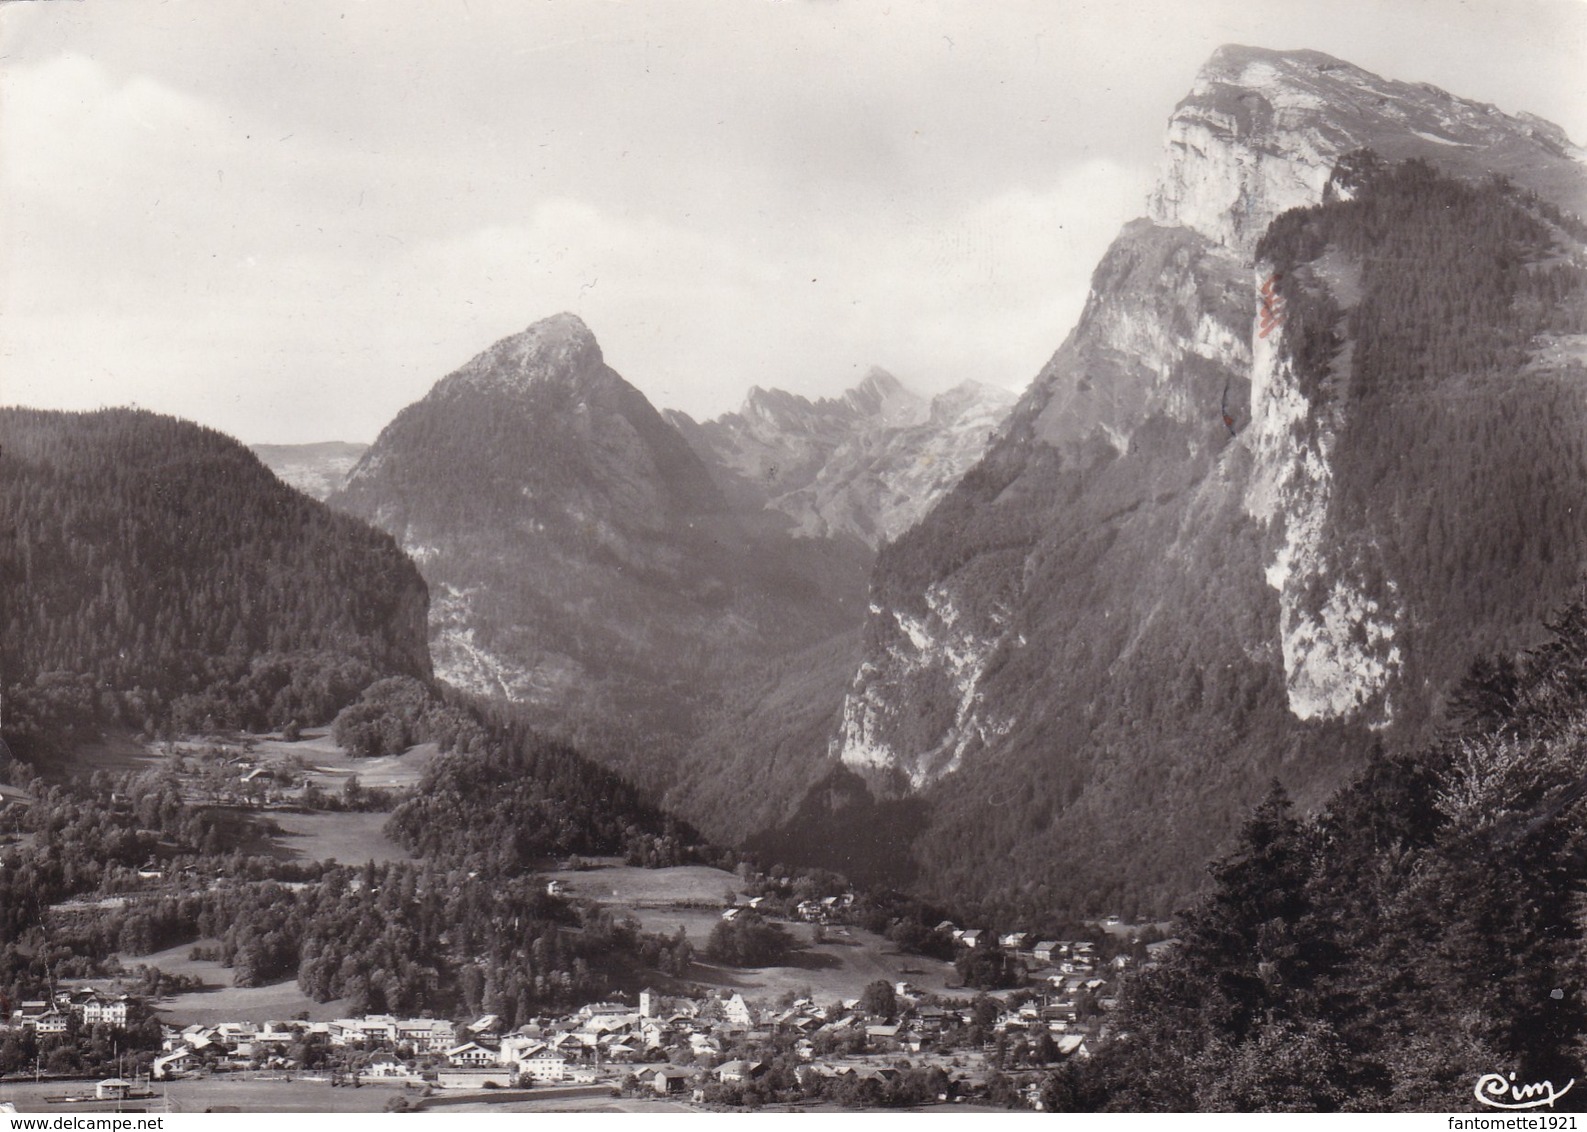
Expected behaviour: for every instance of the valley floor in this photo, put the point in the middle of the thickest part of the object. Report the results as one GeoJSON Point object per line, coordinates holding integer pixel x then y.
{"type": "Point", "coordinates": [692, 897]}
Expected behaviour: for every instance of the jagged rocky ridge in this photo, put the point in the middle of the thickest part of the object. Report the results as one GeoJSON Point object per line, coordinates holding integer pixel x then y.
{"type": "Point", "coordinates": [867, 464]}
{"type": "Point", "coordinates": [1197, 557]}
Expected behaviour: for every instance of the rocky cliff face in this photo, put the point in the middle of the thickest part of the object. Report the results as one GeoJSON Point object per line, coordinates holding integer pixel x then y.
{"type": "Point", "coordinates": [867, 464]}
{"type": "Point", "coordinates": [1260, 132]}
{"type": "Point", "coordinates": [1172, 576]}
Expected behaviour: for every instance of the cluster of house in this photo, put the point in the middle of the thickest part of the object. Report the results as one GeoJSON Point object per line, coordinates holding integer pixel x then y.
{"type": "Point", "coordinates": [604, 1041]}
{"type": "Point", "coordinates": [820, 911]}
{"type": "Point", "coordinates": [1065, 957]}
{"type": "Point", "coordinates": [53, 1015]}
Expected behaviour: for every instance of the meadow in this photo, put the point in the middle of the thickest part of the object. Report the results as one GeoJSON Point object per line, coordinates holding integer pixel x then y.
{"type": "Point", "coordinates": [692, 897]}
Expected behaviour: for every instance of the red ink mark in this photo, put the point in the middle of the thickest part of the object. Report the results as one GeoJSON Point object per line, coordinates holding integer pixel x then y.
{"type": "Point", "coordinates": [1272, 314]}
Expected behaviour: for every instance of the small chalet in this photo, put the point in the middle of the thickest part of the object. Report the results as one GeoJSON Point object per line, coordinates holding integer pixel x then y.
{"type": "Point", "coordinates": [470, 1055]}
{"type": "Point", "coordinates": [737, 1011]}
{"type": "Point", "coordinates": [1073, 1045]}
{"type": "Point", "coordinates": [176, 1062]}
{"type": "Point", "coordinates": [387, 1067]}
{"type": "Point", "coordinates": [734, 1072]}
{"type": "Point", "coordinates": [668, 1079]}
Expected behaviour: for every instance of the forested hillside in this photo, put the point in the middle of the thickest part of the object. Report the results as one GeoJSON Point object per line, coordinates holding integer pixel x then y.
{"type": "Point", "coordinates": [157, 575]}
{"type": "Point", "coordinates": [1431, 325]}
{"type": "Point", "coordinates": [1419, 932]}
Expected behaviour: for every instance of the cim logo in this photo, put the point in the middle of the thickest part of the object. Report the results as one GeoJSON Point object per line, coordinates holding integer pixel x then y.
{"type": "Point", "coordinates": [1497, 1091]}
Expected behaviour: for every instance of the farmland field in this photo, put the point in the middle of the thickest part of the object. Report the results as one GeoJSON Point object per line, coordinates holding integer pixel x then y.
{"type": "Point", "coordinates": [325, 764]}
{"type": "Point", "coordinates": [197, 1094]}
{"type": "Point", "coordinates": [348, 839]}
{"type": "Point", "coordinates": [601, 1101]}
{"type": "Point", "coordinates": [176, 961]}
{"type": "Point", "coordinates": [216, 1000]}
{"type": "Point", "coordinates": [692, 897]}
{"type": "Point", "coordinates": [614, 883]}
{"type": "Point", "coordinates": [226, 1003]}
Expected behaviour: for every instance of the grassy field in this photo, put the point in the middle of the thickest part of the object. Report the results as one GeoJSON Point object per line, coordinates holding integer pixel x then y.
{"type": "Point", "coordinates": [588, 1104]}
{"type": "Point", "coordinates": [615, 883]}
{"type": "Point", "coordinates": [349, 839]}
{"type": "Point", "coordinates": [216, 1000]}
{"type": "Point", "coordinates": [198, 1094]}
{"type": "Point", "coordinates": [692, 897]}
{"type": "Point", "coordinates": [114, 751]}
{"type": "Point", "coordinates": [330, 767]}
{"type": "Point", "coordinates": [176, 961]}
{"type": "Point", "coordinates": [226, 1003]}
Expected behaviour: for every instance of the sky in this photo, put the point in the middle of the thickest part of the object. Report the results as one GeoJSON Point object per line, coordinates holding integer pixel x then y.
{"type": "Point", "coordinates": [287, 219]}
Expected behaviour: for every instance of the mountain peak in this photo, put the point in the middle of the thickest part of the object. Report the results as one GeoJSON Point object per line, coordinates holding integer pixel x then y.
{"type": "Point", "coordinates": [882, 396]}
{"type": "Point", "coordinates": [558, 348]}
{"type": "Point", "coordinates": [1234, 58]}
{"type": "Point", "coordinates": [1261, 130]}
{"type": "Point", "coordinates": [878, 379]}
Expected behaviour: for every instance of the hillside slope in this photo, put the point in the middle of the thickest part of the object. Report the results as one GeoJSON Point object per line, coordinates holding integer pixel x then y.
{"type": "Point", "coordinates": [157, 575]}
{"type": "Point", "coordinates": [1336, 953]}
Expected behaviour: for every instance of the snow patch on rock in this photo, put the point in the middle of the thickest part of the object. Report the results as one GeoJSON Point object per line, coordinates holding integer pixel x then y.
{"type": "Point", "coordinates": [942, 640]}
{"type": "Point", "coordinates": [460, 660]}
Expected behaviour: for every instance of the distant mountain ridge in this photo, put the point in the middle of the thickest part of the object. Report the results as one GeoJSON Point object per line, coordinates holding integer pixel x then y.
{"type": "Point", "coordinates": [315, 469]}
{"type": "Point", "coordinates": [868, 463]}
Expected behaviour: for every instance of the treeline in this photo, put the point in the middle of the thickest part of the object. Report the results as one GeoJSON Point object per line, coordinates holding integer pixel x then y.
{"type": "Point", "coordinates": [157, 576]}
{"type": "Point", "coordinates": [1419, 932]}
{"type": "Point", "coordinates": [474, 937]}
{"type": "Point", "coordinates": [515, 799]}
{"type": "Point", "coordinates": [407, 937]}
{"type": "Point", "coordinates": [748, 940]}
{"type": "Point", "coordinates": [398, 712]}
{"type": "Point", "coordinates": [88, 839]}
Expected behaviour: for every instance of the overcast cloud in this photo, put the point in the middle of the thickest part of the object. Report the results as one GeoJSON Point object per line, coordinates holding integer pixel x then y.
{"type": "Point", "coordinates": [288, 219]}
